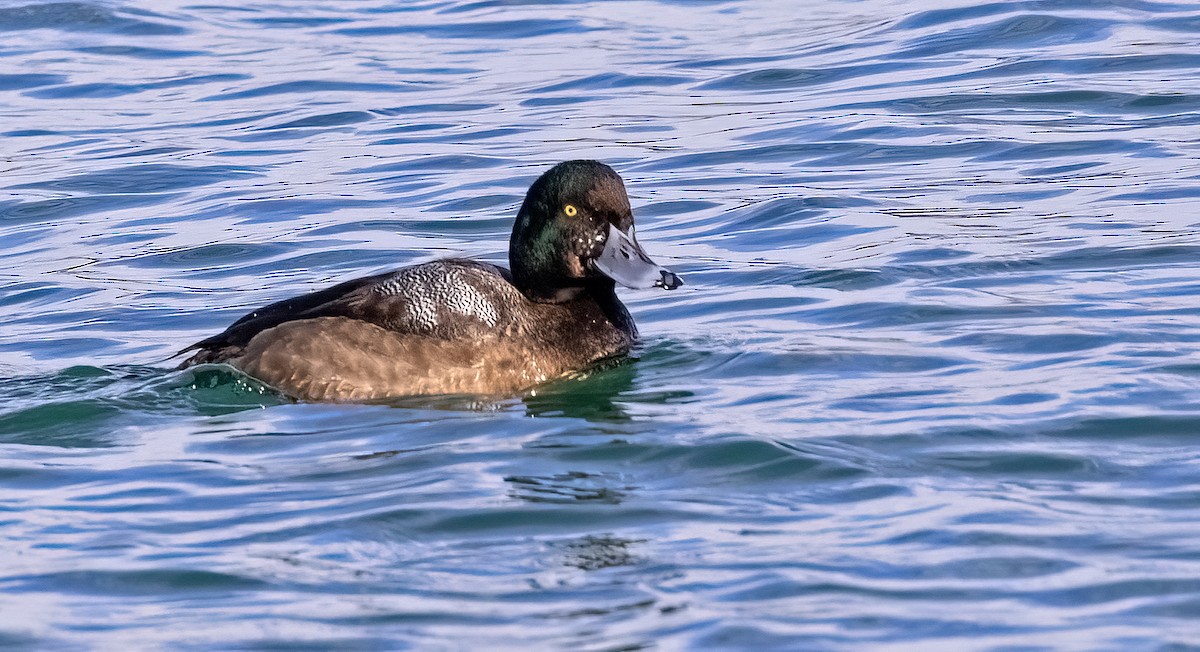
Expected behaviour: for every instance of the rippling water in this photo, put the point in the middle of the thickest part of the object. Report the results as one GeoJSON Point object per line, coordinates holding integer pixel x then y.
{"type": "Point", "coordinates": [932, 382]}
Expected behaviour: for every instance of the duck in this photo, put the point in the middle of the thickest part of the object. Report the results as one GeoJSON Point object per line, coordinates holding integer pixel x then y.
{"type": "Point", "coordinates": [461, 326]}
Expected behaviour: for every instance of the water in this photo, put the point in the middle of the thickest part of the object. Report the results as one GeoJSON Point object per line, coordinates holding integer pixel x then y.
{"type": "Point", "coordinates": [932, 382]}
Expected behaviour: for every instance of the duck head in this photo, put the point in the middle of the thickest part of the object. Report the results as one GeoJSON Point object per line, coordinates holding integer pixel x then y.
{"type": "Point", "coordinates": [575, 231]}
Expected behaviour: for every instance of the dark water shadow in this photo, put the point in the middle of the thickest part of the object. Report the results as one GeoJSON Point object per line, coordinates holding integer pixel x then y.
{"type": "Point", "coordinates": [589, 395]}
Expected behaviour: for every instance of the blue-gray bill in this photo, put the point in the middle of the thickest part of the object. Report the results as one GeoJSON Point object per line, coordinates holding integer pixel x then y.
{"type": "Point", "coordinates": [624, 261]}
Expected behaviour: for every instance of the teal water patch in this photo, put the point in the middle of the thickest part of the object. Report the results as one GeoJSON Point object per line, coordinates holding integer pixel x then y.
{"type": "Point", "coordinates": [84, 17]}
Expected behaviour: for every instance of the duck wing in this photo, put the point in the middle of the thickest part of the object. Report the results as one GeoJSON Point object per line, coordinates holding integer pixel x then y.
{"type": "Point", "coordinates": [445, 299]}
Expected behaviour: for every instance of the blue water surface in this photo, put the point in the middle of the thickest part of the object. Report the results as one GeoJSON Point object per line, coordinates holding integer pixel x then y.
{"type": "Point", "coordinates": [933, 383]}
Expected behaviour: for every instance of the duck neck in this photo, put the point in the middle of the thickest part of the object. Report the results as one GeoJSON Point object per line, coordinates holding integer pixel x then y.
{"type": "Point", "coordinates": [599, 292]}
{"type": "Point", "coordinates": [553, 294]}
{"type": "Point", "coordinates": [604, 294]}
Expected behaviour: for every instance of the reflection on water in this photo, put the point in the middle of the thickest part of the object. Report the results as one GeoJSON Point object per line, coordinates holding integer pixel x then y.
{"type": "Point", "coordinates": [595, 552]}
{"type": "Point", "coordinates": [931, 381]}
{"type": "Point", "coordinates": [568, 487]}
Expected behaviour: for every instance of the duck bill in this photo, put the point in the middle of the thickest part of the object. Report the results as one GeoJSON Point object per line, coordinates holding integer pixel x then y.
{"type": "Point", "coordinates": [624, 261]}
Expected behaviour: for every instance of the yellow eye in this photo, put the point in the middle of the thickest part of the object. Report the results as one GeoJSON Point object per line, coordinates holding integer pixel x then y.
{"type": "Point", "coordinates": [570, 210]}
